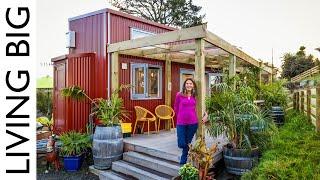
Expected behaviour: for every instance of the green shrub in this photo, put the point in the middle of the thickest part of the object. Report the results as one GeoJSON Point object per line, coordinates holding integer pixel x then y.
{"type": "Point", "coordinates": [294, 152]}
{"type": "Point", "coordinates": [188, 172]}
{"type": "Point", "coordinates": [74, 143]}
{"type": "Point", "coordinates": [274, 94]}
{"type": "Point", "coordinates": [44, 102]}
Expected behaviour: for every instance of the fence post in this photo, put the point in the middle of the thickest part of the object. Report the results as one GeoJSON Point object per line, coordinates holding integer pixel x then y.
{"type": "Point", "coordinates": [294, 100]}
{"type": "Point", "coordinates": [302, 102]}
{"type": "Point", "coordinates": [317, 124]}
{"type": "Point", "coordinates": [309, 103]}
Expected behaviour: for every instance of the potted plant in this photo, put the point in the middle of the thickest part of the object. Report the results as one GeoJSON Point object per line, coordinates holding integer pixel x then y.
{"type": "Point", "coordinates": [240, 119]}
{"type": "Point", "coordinates": [74, 145]}
{"type": "Point", "coordinates": [107, 139]}
{"type": "Point", "coordinates": [44, 133]}
{"type": "Point", "coordinates": [188, 172]}
{"type": "Point", "coordinates": [201, 156]}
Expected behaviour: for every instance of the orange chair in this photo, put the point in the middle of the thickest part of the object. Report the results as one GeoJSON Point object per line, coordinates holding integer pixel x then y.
{"type": "Point", "coordinates": [164, 112]}
{"type": "Point", "coordinates": [144, 115]}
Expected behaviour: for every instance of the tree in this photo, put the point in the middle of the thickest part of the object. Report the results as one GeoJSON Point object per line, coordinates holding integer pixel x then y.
{"type": "Point", "coordinates": [177, 13]}
{"type": "Point", "coordinates": [294, 64]}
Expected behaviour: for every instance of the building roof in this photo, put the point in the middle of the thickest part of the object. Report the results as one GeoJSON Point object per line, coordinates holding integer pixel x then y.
{"type": "Point", "coordinates": [111, 11]}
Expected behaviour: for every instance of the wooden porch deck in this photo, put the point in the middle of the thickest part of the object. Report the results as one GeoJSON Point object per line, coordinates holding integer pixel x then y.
{"type": "Point", "coordinates": [164, 144]}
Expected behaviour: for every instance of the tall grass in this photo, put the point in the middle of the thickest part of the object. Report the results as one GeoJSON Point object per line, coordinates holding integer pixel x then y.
{"type": "Point", "coordinates": [294, 152]}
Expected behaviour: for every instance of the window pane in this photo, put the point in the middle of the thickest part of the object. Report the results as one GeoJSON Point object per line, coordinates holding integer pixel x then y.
{"type": "Point", "coordinates": [135, 33]}
{"type": "Point", "coordinates": [139, 80]}
{"type": "Point", "coordinates": [153, 82]}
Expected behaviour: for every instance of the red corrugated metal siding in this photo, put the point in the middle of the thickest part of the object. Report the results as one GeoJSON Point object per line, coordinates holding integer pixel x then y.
{"type": "Point", "coordinates": [90, 34]}
{"type": "Point", "coordinates": [125, 78]}
{"type": "Point", "coordinates": [78, 70]}
{"type": "Point", "coordinates": [120, 28]}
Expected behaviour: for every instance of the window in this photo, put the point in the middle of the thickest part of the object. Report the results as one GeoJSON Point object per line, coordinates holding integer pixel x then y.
{"type": "Point", "coordinates": [146, 81]}
{"type": "Point", "coordinates": [137, 33]}
{"type": "Point", "coordinates": [210, 78]}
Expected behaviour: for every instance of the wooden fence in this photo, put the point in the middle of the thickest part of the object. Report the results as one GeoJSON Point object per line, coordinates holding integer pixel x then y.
{"type": "Point", "coordinates": [308, 101]}
{"type": "Point", "coordinates": [308, 73]}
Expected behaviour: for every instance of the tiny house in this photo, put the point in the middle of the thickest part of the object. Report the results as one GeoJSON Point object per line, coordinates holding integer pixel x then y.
{"type": "Point", "coordinates": [89, 65]}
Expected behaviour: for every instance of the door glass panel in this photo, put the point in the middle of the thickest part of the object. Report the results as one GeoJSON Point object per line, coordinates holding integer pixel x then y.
{"type": "Point", "coordinates": [153, 81]}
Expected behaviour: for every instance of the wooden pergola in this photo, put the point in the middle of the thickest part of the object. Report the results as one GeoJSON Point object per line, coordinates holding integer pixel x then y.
{"type": "Point", "coordinates": [195, 45]}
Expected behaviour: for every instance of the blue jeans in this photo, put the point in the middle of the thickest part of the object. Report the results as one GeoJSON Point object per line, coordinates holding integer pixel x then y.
{"type": "Point", "coordinates": [185, 134]}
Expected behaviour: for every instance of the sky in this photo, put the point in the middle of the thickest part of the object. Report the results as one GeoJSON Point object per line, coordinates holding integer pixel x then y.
{"type": "Point", "coordinates": [258, 27]}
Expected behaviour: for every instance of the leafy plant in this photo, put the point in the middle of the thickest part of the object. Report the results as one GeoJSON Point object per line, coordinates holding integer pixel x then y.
{"type": "Point", "coordinates": [188, 172]}
{"type": "Point", "coordinates": [274, 94]}
{"type": "Point", "coordinates": [44, 102]}
{"type": "Point", "coordinates": [110, 111]}
{"type": "Point", "coordinates": [74, 143]}
{"type": "Point", "coordinates": [45, 122]}
{"type": "Point", "coordinates": [201, 156]}
{"type": "Point", "coordinates": [233, 112]}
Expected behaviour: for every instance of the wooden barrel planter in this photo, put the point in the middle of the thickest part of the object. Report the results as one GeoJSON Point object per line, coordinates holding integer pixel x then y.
{"type": "Point", "coordinates": [277, 115]}
{"type": "Point", "coordinates": [107, 146]}
{"type": "Point", "coordinates": [239, 161]}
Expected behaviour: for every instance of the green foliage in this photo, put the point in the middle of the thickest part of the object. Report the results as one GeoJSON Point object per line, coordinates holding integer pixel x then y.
{"type": "Point", "coordinates": [44, 102]}
{"type": "Point", "coordinates": [274, 94]}
{"type": "Point", "coordinates": [75, 92]}
{"type": "Point", "coordinates": [188, 172]}
{"type": "Point", "coordinates": [294, 64]}
{"type": "Point", "coordinates": [233, 111]}
{"type": "Point", "coordinates": [294, 152]}
{"type": "Point", "coordinates": [74, 143]}
{"type": "Point", "coordinates": [178, 13]}
{"type": "Point", "coordinates": [45, 122]}
{"type": "Point", "coordinates": [110, 111]}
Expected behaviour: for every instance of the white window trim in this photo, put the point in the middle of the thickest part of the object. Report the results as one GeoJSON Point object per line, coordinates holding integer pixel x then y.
{"type": "Point", "coordinates": [141, 31]}
{"type": "Point", "coordinates": [134, 96]}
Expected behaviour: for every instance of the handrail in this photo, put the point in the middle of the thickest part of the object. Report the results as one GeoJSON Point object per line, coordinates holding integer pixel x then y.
{"type": "Point", "coordinates": [305, 74]}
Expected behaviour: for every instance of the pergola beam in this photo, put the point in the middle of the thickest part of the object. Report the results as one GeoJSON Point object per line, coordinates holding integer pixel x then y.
{"type": "Point", "coordinates": [173, 36]}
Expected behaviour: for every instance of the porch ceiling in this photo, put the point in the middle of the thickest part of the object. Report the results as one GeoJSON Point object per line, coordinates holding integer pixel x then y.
{"type": "Point", "coordinates": [179, 46]}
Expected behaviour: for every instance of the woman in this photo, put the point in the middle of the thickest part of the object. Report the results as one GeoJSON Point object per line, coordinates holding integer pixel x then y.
{"type": "Point", "coordinates": [187, 121]}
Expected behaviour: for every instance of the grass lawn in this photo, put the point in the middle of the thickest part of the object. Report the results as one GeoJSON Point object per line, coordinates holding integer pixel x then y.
{"type": "Point", "coordinates": [294, 153]}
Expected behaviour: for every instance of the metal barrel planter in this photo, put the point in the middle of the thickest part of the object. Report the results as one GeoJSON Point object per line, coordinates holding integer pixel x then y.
{"type": "Point", "coordinates": [277, 115]}
{"type": "Point", "coordinates": [107, 146]}
{"type": "Point", "coordinates": [239, 161]}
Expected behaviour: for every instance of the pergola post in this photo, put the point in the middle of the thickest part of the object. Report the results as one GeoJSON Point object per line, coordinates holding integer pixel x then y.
{"type": "Point", "coordinates": [200, 81]}
{"type": "Point", "coordinates": [168, 87]}
{"type": "Point", "coordinates": [232, 67]}
{"type": "Point", "coordinates": [114, 71]}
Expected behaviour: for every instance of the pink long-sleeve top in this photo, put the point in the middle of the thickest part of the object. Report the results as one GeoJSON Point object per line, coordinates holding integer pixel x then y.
{"type": "Point", "coordinates": [185, 109]}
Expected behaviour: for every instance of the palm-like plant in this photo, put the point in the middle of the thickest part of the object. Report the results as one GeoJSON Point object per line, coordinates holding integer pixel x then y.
{"type": "Point", "coordinates": [110, 111]}
{"type": "Point", "coordinates": [233, 112]}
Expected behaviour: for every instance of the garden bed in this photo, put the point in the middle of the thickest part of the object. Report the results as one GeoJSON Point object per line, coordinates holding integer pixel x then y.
{"type": "Point", "coordinates": [294, 153]}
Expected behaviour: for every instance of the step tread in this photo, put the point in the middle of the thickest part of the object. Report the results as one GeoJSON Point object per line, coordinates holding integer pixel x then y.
{"type": "Point", "coordinates": [151, 162]}
{"type": "Point", "coordinates": [109, 174]}
{"type": "Point", "coordinates": [138, 171]}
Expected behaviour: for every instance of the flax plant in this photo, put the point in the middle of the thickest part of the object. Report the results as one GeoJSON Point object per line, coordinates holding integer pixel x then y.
{"type": "Point", "coordinates": [233, 112]}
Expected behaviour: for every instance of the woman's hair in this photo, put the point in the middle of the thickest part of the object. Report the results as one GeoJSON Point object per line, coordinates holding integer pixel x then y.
{"type": "Point", "coordinates": [184, 90]}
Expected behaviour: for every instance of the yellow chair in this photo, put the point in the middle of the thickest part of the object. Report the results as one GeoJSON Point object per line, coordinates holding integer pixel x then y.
{"type": "Point", "coordinates": [164, 112]}
{"type": "Point", "coordinates": [144, 115]}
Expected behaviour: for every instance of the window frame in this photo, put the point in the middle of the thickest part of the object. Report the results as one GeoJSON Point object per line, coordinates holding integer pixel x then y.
{"type": "Point", "coordinates": [145, 95]}
{"type": "Point", "coordinates": [132, 29]}
{"type": "Point", "coordinates": [191, 71]}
